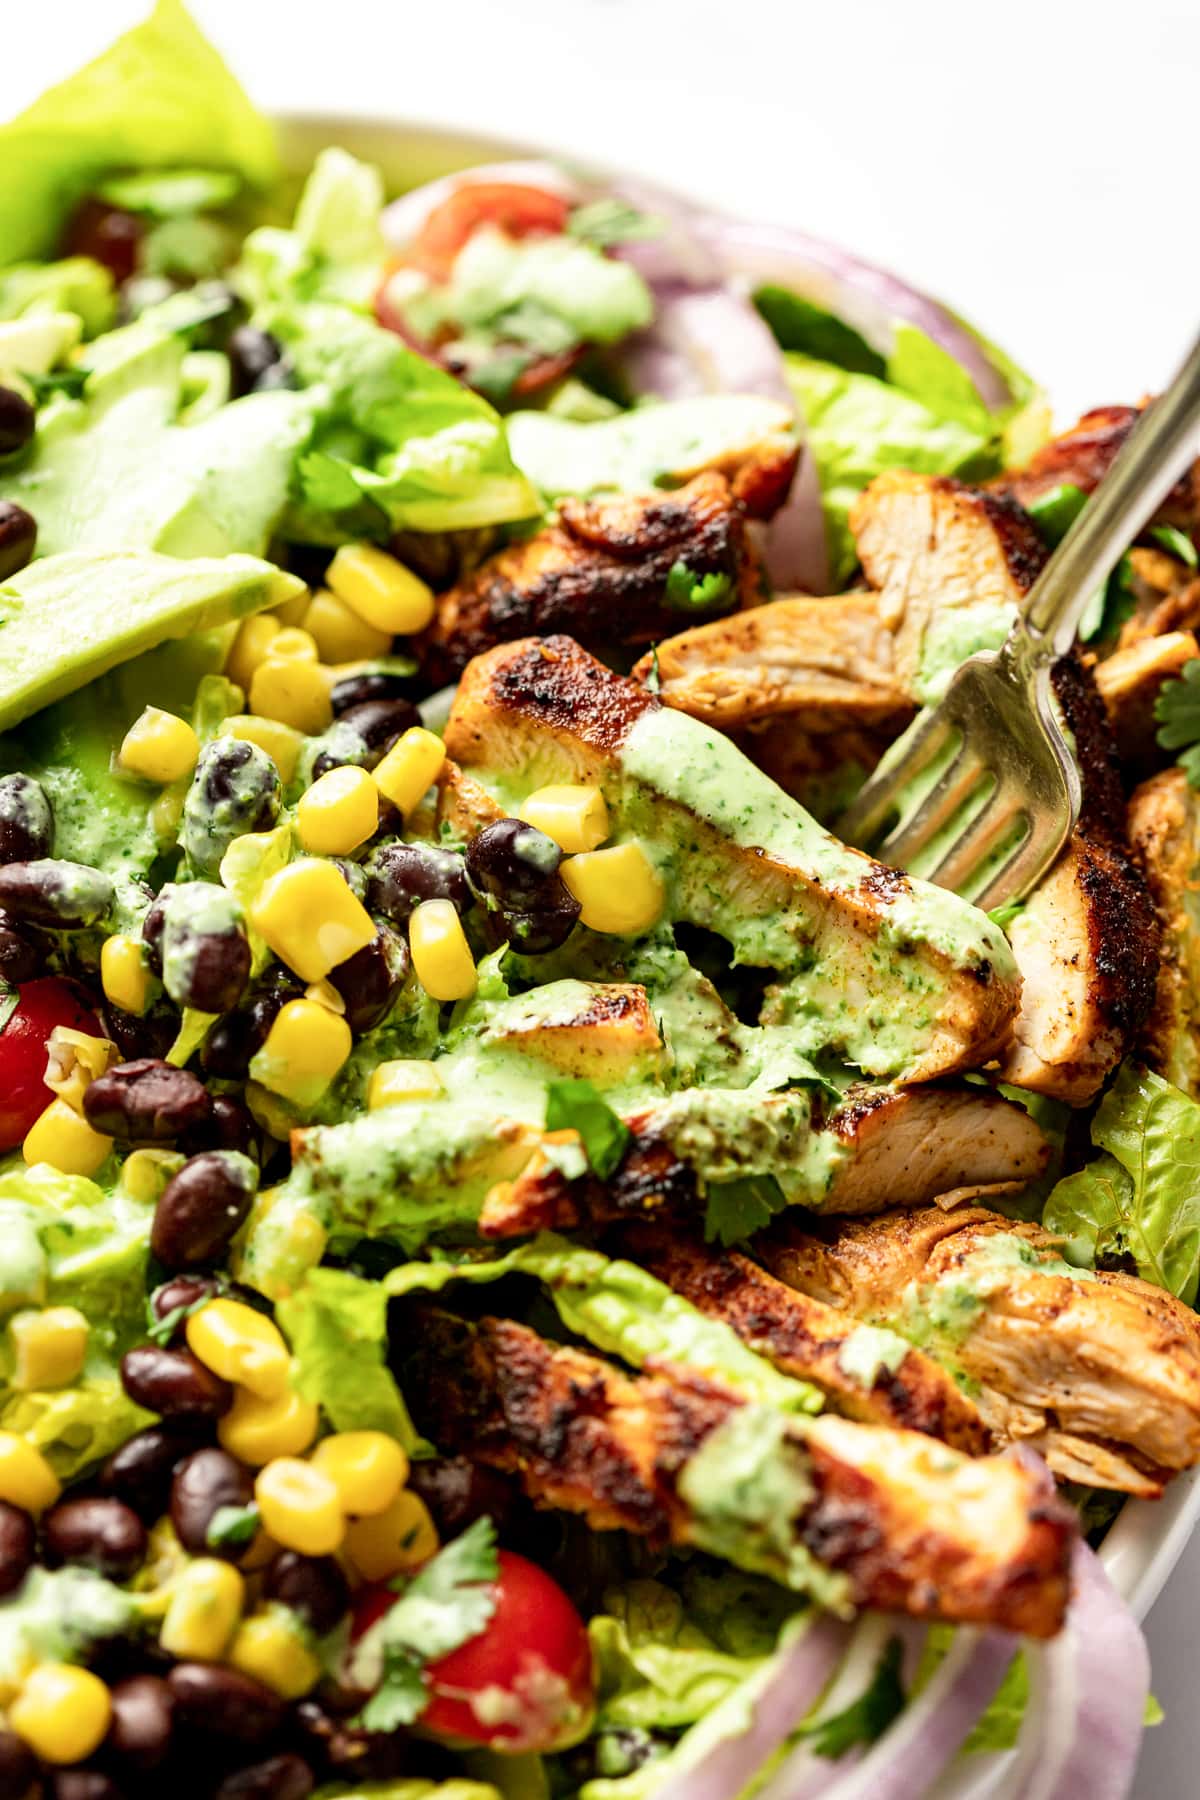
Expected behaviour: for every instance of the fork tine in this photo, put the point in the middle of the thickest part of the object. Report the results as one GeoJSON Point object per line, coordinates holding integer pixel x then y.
{"type": "Point", "coordinates": [979, 838]}
{"type": "Point", "coordinates": [1029, 861]}
{"type": "Point", "coordinates": [880, 794]}
{"type": "Point", "coordinates": [949, 794]}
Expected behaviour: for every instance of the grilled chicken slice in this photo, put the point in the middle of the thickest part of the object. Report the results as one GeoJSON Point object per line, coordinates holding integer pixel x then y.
{"type": "Point", "coordinates": [1100, 1374]}
{"type": "Point", "coordinates": [1082, 456]}
{"type": "Point", "coordinates": [1086, 940]}
{"type": "Point", "coordinates": [601, 573]}
{"type": "Point", "coordinates": [1130, 681]}
{"type": "Point", "coordinates": [1166, 596]}
{"type": "Point", "coordinates": [952, 565]}
{"type": "Point", "coordinates": [1164, 828]}
{"type": "Point", "coordinates": [899, 978]}
{"type": "Point", "coordinates": [868, 1516]}
{"type": "Point", "coordinates": [866, 1373]}
{"type": "Point", "coordinates": [884, 1148]}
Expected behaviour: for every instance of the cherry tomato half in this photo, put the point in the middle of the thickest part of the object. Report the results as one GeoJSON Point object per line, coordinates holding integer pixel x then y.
{"type": "Point", "coordinates": [43, 1005]}
{"type": "Point", "coordinates": [525, 1682]}
{"type": "Point", "coordinates": [520, 211]}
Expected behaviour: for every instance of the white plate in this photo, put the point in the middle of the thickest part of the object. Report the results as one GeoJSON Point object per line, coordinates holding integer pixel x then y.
{"type": "Point", "coordinates": [1148, 1537]}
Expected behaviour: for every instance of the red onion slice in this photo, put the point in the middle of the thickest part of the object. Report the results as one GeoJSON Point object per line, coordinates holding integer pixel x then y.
{"type": "Point", "coordinates": [791, 1688]}
{"type": "Point", "coordinates": [1088, 1688]}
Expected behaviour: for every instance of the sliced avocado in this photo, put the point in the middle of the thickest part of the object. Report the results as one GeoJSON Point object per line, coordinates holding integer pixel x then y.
{"type": "Point", "coordinates": [68, 618]}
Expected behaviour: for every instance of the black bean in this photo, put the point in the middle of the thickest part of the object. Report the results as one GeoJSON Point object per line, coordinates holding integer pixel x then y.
{"type": "Point", "coordinates": [208, 1480]}
{"type": "Point", "coordinates": [312, 1586]}
{"type": "Point", "coordinates": [82, 1784]}
{"type": "Point", "coordinates": [224, 1702]}
{"type": "Point", "coordinates": [61, 895]}
{"type": "Point", "coordinates": [230, 1126]}
{"type": "Point", "coordinates": [18, 538]}
{"type": "Point", "coordinates": [26, 821]}
{"type": "Point", "coordinates": [140, 1733]}
{"type": "Point", "coordinates": [363, 734]}
{"type": "Point", "coordinates": [458, 1491]}
{"type": "Point", "coordinates": [146, 1101]}
{"type": "Point", "coordinates": [108, 234]}
{"type": "Point", "coordinates": [348, 1751]}
{"type": "Point", "coordinates": [373, 684]}
{"type": "Point", "coordinates": [251, 354]}
{"type": "Point", "coordinates": [18, 1546]}
{"type": "Point", "coordinates": [18, 420]}
{"type": "Point", "coordinates": [198, 938]}
{"type": "Point", "coordinates": [22, 955]}
{"type": "Point", "coordinates": [353, 874]}
{"type": "Point", "coordinates": [153, 926]}
{"type": "Point", "coordinates": [235, 789]}
{"type": "Point", "coordinates": [400, 876]}
{"type": "Point", "coordinates": [18, 1767]}
{"type": "Point", "coordinates": [140, 1471]}
{"type": "Point", "coordinates": [286, 1777]}
{"type": "Point", "coordinates": [200, 1209]}
{"type": "Point", "coordinates": [513, 862]}
{"type": "Point", "coordinates": [370, 980]}
{"type": "Point", "coordinates": [101, 1534]}
{"type": "Point", "coordinates": [536, 931]}
{"type": "Point", "coordinates": [150, 1035]}
{"type": "Point", "coordinates": [171, 1382]}
{"type": "Point", "coordinates": [181, 1295]}
{"type": "Point", "coordinates": [234, 1039]}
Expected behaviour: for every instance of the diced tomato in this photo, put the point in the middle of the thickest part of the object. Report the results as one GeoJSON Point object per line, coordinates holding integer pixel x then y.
{"type": "Point", "coordinates": [43, 1005]}
{"type": "Point", "coordinates": [524, 1683]}
{"type": "Point", "coordinates": [520, 211]}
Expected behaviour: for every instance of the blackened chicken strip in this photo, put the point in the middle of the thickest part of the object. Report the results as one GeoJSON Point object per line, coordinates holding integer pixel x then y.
{"type": "Point", "coordinates": [859, 1514]}
{"type": "Point", "coordinates": [879, 1380]}
{"type": "Point", "coordinates": [1082, 457]}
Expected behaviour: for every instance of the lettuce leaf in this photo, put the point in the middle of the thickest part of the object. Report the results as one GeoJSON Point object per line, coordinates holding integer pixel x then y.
{"type": "Point", "coordinates": [75, 284]}
{"type": "Point", "coordinates": [336, 1324]}
{"type": "Point", "coordinates": [1141, 1198]}
{"type": "Point", "coordinates": [159, 97]}
{"type": "Point", "coordinates": [655, 1668]}
{"type": "Point", "coordinates": [335, 248]}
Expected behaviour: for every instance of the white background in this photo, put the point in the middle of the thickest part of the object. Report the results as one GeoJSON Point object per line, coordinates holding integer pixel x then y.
{"type": "Point", "coordinates": [1032, 162]}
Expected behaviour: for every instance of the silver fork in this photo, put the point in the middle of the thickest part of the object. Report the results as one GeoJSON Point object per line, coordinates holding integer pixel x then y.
{"type": "Point", "coordinates": [1003, 787]}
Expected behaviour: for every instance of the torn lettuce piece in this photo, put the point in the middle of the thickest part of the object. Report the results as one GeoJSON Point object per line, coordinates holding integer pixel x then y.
{"type": "Point", "coordinates": [160, 97]}
{"type": "Point", "coordinates": [336, 1323]}
{"type": "Point", "coordinates": [335, 248]}
{"type": "Point", "coordinates": [74, 284]}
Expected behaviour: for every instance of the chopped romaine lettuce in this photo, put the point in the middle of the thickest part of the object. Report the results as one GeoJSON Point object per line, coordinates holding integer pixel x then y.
{"type": "Point", "coordinates": [76, 284]}
{"type": "Point", "coordinates": [336, 1323]}
{"type": "Point", "coordinates": [800, 325]}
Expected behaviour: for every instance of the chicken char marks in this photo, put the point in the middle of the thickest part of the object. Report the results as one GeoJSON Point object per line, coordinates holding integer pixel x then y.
{"type": "Point", "coordinates": [601, 573]}
{"type": "Point", "coordinates": [906, 1523]}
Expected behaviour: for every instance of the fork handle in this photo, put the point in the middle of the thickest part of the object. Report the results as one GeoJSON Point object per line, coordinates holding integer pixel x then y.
{"type": "Point", "coordinates": [1165, 439]}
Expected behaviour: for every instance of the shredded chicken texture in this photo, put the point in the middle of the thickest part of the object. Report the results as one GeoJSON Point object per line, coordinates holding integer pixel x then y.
{"type": "Point", "coordinates": [1100, 1374]}
{"type": "Point", "coordinates": [907, 1523]}
{"type": "Point", "coordinates": [1164, 827]}
{"type": "Point", "coordinates": [601, 572]}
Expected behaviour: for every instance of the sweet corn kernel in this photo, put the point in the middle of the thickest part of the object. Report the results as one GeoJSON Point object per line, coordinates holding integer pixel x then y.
{"type": "Point", "coordinates": [338, 812]}
{"type": "Point", "coordinates": [240, 1345]}
{"type": "Point", "coordinates": [159, 746]}
{"type": "Point", "coordinates": [294, 645]}
{"type": "Point", "coordinates": [50, 1346]}
{"type": "Point", "coordinates": [441, 954]}
{"type": "Point", "coordinates": [73, 1061]}
{"type": "Point", "coordinates": [323, 993]}
{"type": "Point", "coordinates": [282, 743]}
{"type": "Point", "coordinates": [293, 692]}
{"type": "Point", "coordinates": [380, 589]}
{"type": "Point", "coordinates": [619, 889]}
{"type": "Point", "coordinates": [401, 1538]}
{"type": "Point", "coordinates": [62, 1712]}
{"type": "Point", "coordinates": [258, 1430]}
{"type": "Point", "coordinates": [368, 1468]}
{"type": "Point", "coordinates": [340, 634]}
{"type": "Point", "coordinates": [166, 813]}
{"type": "Point", "coordinates": [269, 1648]}
{"type": "Point", "coordinates": [124, 975]}
{"type": "Point", "coordinates": [575, 816]}
{"type": "Point", "coordinates": [304, 1049]}
{"type": "Point", "coordinates": [309, 917]}
{"type": "Point", "coordinates": [26, 1478]}
{"type": "Point", "coordinates": [145, 1173]}
{"type": "Point", "coordinates": [203, 1608]}
{"type": "Point", "coordinates": [410, 768]}
{"type": "Point", "coordinates": [251, 644]}
{"type": "Point", "coordinates": [300, 1507]}
{"type": "Point", "coordinates": [65, 1140]}
{"type": "Point", "coordinates": [392, 1083]}
{"type": "Point", "coordinates": [292, 611]}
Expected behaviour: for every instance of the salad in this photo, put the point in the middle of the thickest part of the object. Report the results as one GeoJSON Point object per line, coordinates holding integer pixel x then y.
{"type": "Point", "coordinates": [529, 1269]}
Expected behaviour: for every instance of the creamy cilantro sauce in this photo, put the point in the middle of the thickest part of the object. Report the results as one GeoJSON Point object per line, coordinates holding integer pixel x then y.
{"type": "Point", "coordinates": [947, 1311]}
{"type": "Point", "coordinates": [869, 1352]}
{"type": "Point", "coordinates": [55, 1616]}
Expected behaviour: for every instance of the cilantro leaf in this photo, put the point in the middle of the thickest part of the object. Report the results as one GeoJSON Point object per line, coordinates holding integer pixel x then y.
{"type": "Point", "coordinates": [612, 221]}
{"type": "Point", "coordinates": [686, 592]}
{"type": "Point", "coordinates": [446, 1603]}
{"type": "Point", "coordinates": [737, 1209]}
{"type": "Point", "coordinates": [232, 1526]}
{"type": "Point", "coordinates": [69, 382]}
{"type": "Point", "coordinates": [1177, 710]}
{"type": "Point", "coordinates": [576, 1106]}
{"type": "Point", "coordinates": [868, 1717]}
{"type": "Point", "coordinates": [1176, 543]}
